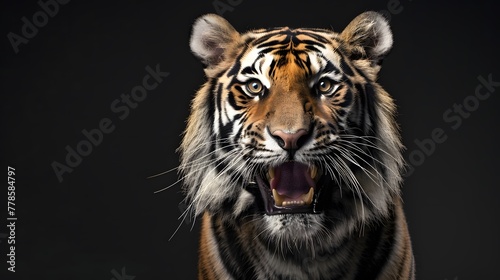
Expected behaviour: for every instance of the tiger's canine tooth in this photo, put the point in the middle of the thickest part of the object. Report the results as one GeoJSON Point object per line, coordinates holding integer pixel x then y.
{"type": "Point", "coordinates": [278, 199]}
{"type": "Point", "coordinates": [313, 171]}
{"type": "Point", "coordinates": [308, 197]}
{"type": "Point", "coordinates": [271, 173]}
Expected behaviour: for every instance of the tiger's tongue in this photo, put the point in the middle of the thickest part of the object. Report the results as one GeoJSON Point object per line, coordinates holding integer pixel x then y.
{"type": "Point", "coordinates": [292, 179]}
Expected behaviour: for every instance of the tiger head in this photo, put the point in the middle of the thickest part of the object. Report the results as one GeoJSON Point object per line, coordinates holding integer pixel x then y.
{"type": "Point", "coordinates": [291, 129]}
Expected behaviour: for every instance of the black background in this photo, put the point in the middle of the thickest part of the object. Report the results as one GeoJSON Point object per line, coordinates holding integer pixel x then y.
{"type": "Point", "coordinates": [104, 219]}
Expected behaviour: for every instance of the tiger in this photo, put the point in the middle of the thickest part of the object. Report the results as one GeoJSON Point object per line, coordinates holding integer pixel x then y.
{"type": "Point", "coordinates": [292, 155]}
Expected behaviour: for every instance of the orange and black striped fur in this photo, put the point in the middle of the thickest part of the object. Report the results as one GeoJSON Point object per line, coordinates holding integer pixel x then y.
{"type": "Point", "coordinates": [292, 154]}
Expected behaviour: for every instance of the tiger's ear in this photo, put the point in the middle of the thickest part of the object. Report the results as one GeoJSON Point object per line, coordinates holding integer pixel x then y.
{"type": "Point", "coordinates": [368, 36]}
{"type": "Point", "coordinates": [211, 39]}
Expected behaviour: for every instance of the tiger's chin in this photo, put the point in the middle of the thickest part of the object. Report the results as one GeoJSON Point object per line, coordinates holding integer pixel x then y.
{"type": "Point", "coordinates": [297, 228]}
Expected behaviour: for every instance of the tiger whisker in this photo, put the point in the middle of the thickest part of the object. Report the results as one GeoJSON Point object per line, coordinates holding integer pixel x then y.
{"type": "Point", "coordinates": [353, 145]}
{"type": "Point", "coordinates": [183, 215]}
{"type": "Point", "coordinates": [352, 183]}
{"type": "Point", "coordinates": [184, 166]}
{"type": "Point", "coordinates": [369, 144]}
{"type": "Point", "coordinates": [370, 175]}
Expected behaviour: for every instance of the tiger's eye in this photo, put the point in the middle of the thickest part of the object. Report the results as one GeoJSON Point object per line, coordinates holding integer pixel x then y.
{"type": "Point", "coordinates": [324, 85]}
{"type": "Point", "coordinates": [254, 86]}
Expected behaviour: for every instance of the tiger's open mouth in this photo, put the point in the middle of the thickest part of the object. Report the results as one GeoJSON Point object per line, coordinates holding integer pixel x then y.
{"type": "Point", "coordinates": [290, 188]}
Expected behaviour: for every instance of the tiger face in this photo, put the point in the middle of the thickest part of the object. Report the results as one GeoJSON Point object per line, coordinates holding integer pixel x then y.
{"type": "Point", "coordinates": [291, 132]}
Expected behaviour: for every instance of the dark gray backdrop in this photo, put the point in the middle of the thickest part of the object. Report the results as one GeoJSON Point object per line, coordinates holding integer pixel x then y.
{"type": "Point", "coordinates": [103, 221]}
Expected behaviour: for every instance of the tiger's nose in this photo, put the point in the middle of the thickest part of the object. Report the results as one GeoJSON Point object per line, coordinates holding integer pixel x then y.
{"type": "Point", "coordinates": [290, 141]}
